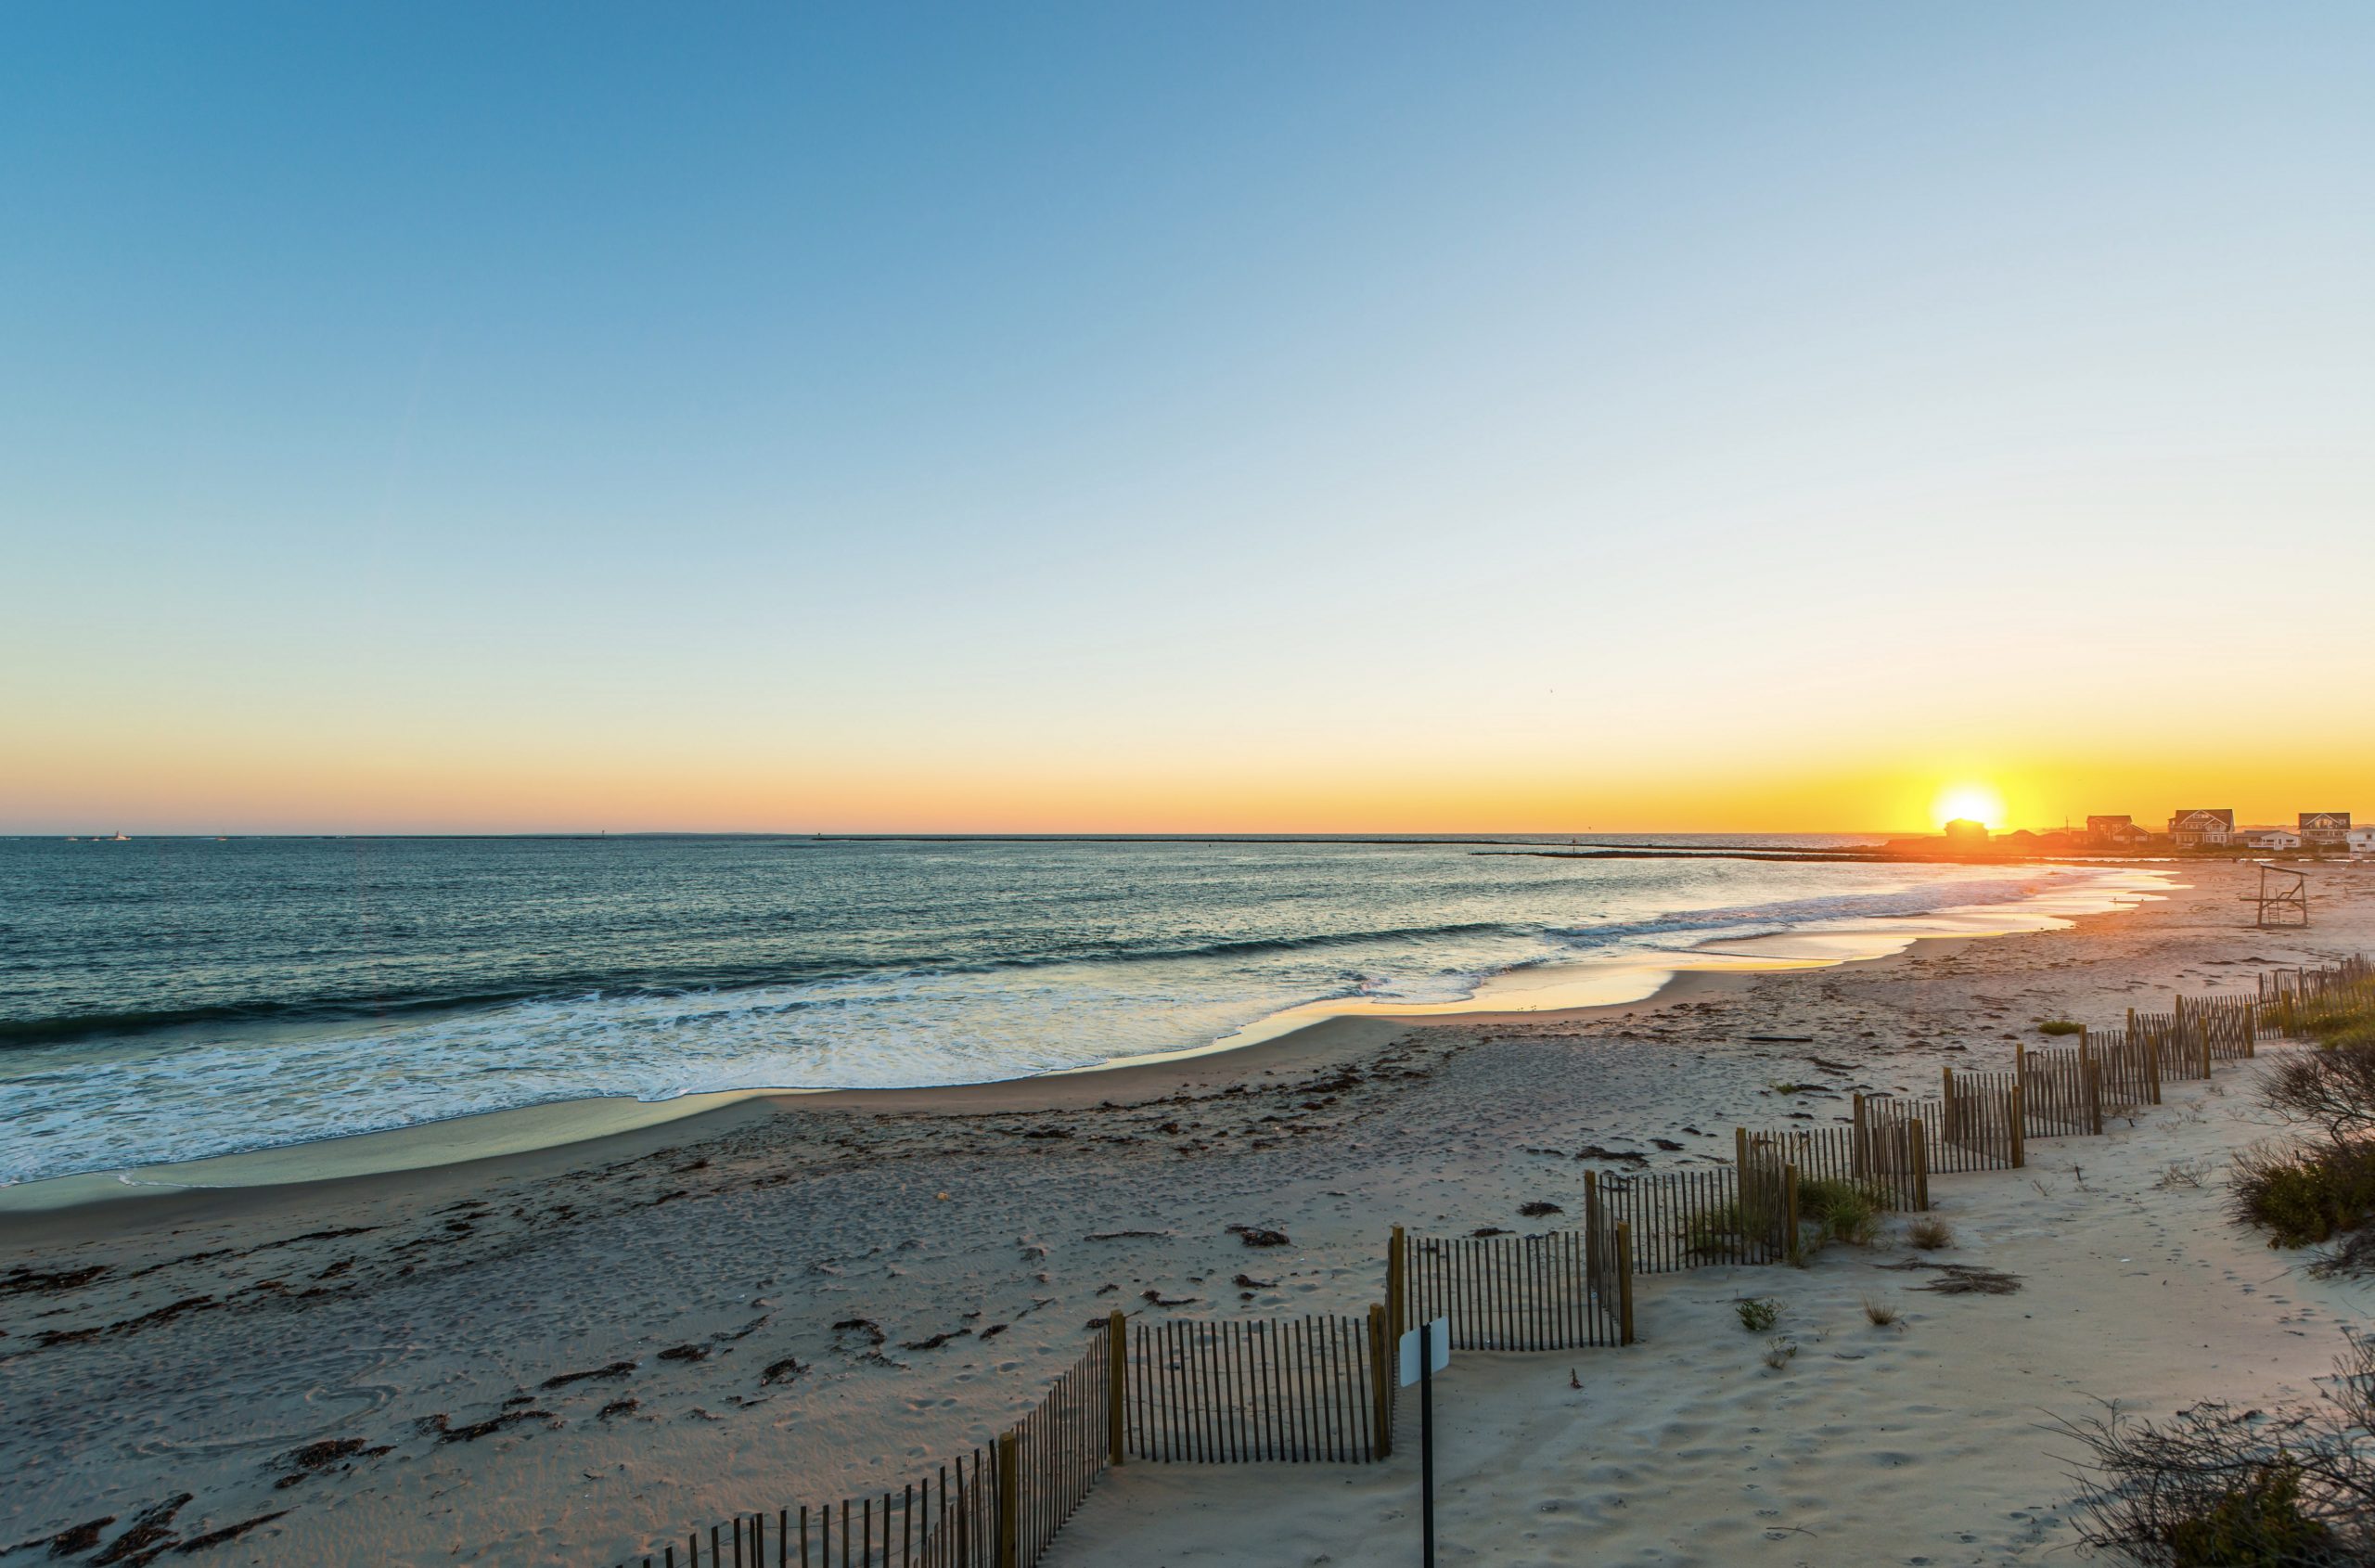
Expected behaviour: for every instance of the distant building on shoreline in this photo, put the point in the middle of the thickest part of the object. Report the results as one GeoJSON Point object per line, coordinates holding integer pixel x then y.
{"type": "Point", "coordinates": [2268, 838]}
{"type": "Point", "coordinates": [2326, 829]}
{"type": "Point", "coordinates": [2116, 832]}
{"type": "Point", "coordinates": [2361, 841]}
{"type": "Point", "coordinates": [2203, 828]}
{"type": "Point", "coordinates": [1964, 835]}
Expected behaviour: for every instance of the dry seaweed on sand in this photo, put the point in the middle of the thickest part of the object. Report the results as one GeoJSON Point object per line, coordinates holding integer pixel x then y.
{"type": "Point", "coordinates": [438, 1427]}
{"type": "Point", "coordinates": [1960, 1279]}
{"type": "Point", "coordinates": [562, 1380]}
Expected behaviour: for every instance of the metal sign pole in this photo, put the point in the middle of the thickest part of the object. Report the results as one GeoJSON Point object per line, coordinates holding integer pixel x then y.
{"type": "Point", "coordinates": [1418, 1349]}
{"type": "Point", "coordinates": [1427, 1453]}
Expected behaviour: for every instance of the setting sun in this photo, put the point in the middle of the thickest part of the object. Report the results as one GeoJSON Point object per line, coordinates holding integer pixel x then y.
{"type": "Point", "coordinates": [1977, 802]}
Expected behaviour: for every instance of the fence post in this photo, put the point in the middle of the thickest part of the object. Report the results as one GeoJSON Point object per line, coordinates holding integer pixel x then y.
{"type": "Point", "coordinates": [1861, 1162]}
{"type": "Point", "coordinates": [1917, 1137]}
{"type": "Point", "coordinates": [1397, 1255]}
{"type": "Point", "coordinates": [1383, 1350]}
{"type": "Point", "coordinates": [2251, 1029]}
{"type": "Point", "coordinates": [1592, 1221]}
{"type": "Point", "coordinates": [1117, 1383]}
{"type": "Point", "coordinates": [1946, 1104]}
{"type": "Point", "coordinates": [1789, 1209]}
{"type": "Point", "coordinates": [2020, 1127]}
{"type": "Point", "coordinates": [1624, 1282]}
{"type": "Point", "coordinates": [1009, 1503]}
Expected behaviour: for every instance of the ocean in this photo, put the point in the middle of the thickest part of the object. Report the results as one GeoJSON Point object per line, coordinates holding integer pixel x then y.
{"type": "Point", "coordinates": [167, 999]}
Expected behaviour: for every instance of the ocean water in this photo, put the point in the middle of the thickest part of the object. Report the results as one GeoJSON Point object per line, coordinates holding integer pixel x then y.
{"type": "Point", "coordinates": [174, 998]}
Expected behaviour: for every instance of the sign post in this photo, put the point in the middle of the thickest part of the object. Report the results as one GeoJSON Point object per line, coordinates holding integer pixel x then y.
{"type": "Point", "coordinates": [1425, 1351]}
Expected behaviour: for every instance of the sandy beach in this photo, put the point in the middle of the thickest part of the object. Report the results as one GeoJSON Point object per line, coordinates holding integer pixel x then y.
{"type": "Point", "coordinates": [569, 1353]}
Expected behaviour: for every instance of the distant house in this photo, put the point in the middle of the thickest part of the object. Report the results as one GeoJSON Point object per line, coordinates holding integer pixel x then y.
{"type": "Point", "coordinates": [2268, 838]}
{"type": "Point", "coordinates": [2202, 828]}
{"type": "Point", "coordinates": [2326, 829]}
{"type": "Point", "coordinates": [2116, 832]}
{"type": "Point", "coordinates": [1964, 835]}
{"type": "Point", "coordinates": [2362, 841]}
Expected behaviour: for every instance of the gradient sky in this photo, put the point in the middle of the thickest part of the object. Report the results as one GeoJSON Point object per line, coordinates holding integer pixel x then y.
{"type": "Point", "coordinates": [1193, 418]}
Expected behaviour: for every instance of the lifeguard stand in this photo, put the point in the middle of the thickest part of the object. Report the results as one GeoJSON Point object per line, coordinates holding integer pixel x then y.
{"type": "Point", "coordinates": [2280, 902]}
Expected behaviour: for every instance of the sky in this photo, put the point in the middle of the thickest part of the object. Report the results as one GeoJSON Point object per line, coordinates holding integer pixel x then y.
{"type": "Point", "coordinates": [1200, 417]}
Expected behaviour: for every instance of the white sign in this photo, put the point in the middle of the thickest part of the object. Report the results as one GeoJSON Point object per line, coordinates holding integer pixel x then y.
{"type": "Point", "coordinates": [1438, 1337]}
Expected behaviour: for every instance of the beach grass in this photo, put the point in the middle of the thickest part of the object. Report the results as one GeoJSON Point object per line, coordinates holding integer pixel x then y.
{"type": "Point", "coordinates": [1930, 1233]}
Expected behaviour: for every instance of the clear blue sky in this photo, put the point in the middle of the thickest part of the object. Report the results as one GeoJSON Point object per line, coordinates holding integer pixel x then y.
{"type": "Point", "coordinates": [506, 416]}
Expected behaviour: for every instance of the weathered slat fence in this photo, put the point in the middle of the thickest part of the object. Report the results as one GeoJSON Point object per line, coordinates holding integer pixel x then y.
{"type": "Point", "coordinates": [2289, 999]}
{"type": "Point", "coordinates": [952, 1524]}
{"type": "Point", "coordinates": [1677, 1220]}
{"type": "Point", "coordinates": [1560, 1291]}
{"type": "Point", "coordinates": [2278, 986]}
{"type": "Point", "coordinates": [2061, 1091]}
{"type": "Point", "coordinates": [1052, 1457]}
{"type": "Point", "coordinates": [1232, 1392]}
{"type": "Point", "coordinates": [1876, 1154]}
{"type": "Point", "coordinates": [2130, 1068]}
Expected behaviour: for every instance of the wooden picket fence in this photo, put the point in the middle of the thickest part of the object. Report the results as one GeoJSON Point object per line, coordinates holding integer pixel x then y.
{"type": "Point", "coordinates": [1882, 1154]}
{"type": "Point", "coordinates": [952, 1525]}
{"type": "Point", "coordinates": [2283, 991]}
{"type": "Point", "coordinates": [1049, 1459]}
{"type": "Point", "coordinates": [1743, 1212]}
{"type": "Point", "coordinates": [2128, 1066]}
{"type": "Point", "coordinates": [2290, 998]}
{"type": "Point", "coordinates": [1559, 1290]}
{"type": "Point", "coordinates": [2061, 1091]}
{"type": "Point", "coordinates": [1676, 1220]}
{"type": "Point", "coordinates": [1237, 1391]}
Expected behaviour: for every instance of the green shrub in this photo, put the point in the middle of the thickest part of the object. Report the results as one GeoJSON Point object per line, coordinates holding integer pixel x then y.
{"type": "Point", "coordinates": [2219, 1486]}
{"type": "Point", "coordinates": [2305, 1195]}
{"type": "Point", "coordinates": [2258, 1523]}
{"type": "Point", "coordinates": [2060, 1026]}
{"type": "Point", "coordinates": [1758, 1313]}
{"type": "Point", "coordinates": [1847, 1211]}
{"type": "Point", "coordinates": [2352, 1035]}
{"type": "Point", "coordinates": [1730, 1229]}
{"type": "Point", "coordinates": [2341, 1016]}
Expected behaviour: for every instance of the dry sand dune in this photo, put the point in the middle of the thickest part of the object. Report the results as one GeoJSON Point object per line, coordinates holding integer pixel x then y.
{"type": "Point", "coordinates": [562, 1357]}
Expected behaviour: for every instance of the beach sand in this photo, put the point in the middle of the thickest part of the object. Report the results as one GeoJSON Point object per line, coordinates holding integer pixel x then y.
{"type": "Point", "coordinates": [192, 1344]}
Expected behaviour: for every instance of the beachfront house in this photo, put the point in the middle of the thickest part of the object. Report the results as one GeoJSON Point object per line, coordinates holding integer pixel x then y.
{"type": "Point", "coordinates": [2116, 832]}
{"type": "Point", "coordinates": [2326, 829]}
{"type": "Point", "coordinates": [2203, 828]}
{"type": "Point", "coordinates": [1964, 836]}
{"type": "Point", "coordinates": [2265, 839]}
{"type": "Point", "coordinates": [2361, 841]}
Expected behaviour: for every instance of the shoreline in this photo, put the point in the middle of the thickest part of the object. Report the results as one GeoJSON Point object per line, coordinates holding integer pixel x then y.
{"type": "Point", "coordinates": [530, 1136]}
